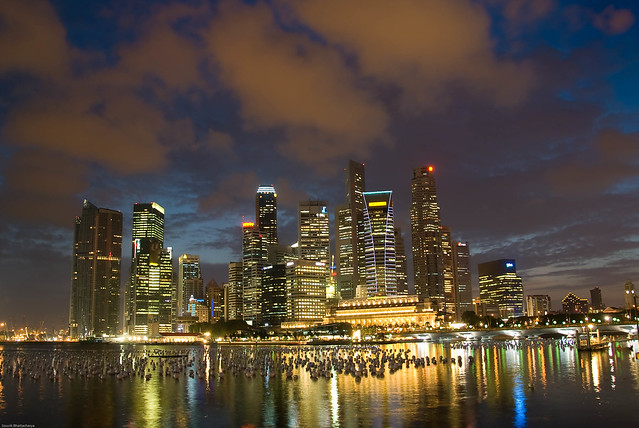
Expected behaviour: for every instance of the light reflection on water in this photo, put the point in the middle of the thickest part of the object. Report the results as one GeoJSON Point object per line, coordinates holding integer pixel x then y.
{"type": "Point", "coordinates": [506, 385]}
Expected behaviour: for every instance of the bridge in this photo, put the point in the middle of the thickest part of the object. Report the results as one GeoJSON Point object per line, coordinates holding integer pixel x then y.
{"type": "Point", "coordinates": [550, 331]}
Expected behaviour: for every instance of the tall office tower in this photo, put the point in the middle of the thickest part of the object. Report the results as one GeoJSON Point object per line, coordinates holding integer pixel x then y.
{"type": "Point", "coordinates": [94, 308]}
{"type": "Point", "coordinates": [305, 291]}
{"type": "Point", "coordinates": [146, 295]}
{"type": "Point", "coordinates": [401, 269]}
{"type": "Point", "coordinates": [463, 284]}
{"type": "Point", "coordinates": [313, 232]}
{"type": "Point", "coordinates": [190, 282]}
{"type": "Point", "coordinates": [595, 299]}
{"type": "Point", "coordinates": [426, 235]}
{"type": "Point", "coordinates": [500, 285]}
{"type": "Point", "coordinates": [254, 258]}
{"type": "Point", "coordinates": [448, 272]}
{"type": "Point", "coordinates": [537, 305]}
{"type": "Point", "coordinates": [629, 294]}
{"type": "Point", "coordinates": [349, 229]}
{"type": "Point", "coordinates": [165, 288]}
{"type": "Point", "coordinates": [234, 301]}
{"type": "Point", "coordinates": [214, 298]}
{"type": "Point", "coordinates": [266, 213]}
{"type": "Point", "coordinates": [379, 244]}
{"type": "Point", "coordinates": [280, 254]}
{"type": "Point", "coordinates": [274, 294]}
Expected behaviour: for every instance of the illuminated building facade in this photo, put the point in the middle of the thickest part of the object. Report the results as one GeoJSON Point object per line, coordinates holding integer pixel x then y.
{"type": "Point", "coordinates": [266, 213]}
{"type": "Point", "coordinates": [463, 284]}
{"type": "Point", "coordinates": [149, 298]}
{"type": "Point", "coordinates": [190, 282]}
{"type": "Point", "coordinates": [234, 301]}
{"type": "Point", "coordinates": [349, 228]}
{"type": "Point", "coordinates": [254, 258]}
{"type": "Point", "coordinates": [500, 285]}
{"type": "Point", "coordinates": [313, 231]}
{"type": "Point", "coordinates": [379, 244]}
{"type": "Point", "coordinates": [94, 308]}
{"type": "Point", "coordinates": [274, 294]}
{"type": "Point", "coordinates": [537, 305]}
{"type": "Point", "coordinates": [573, 304]}
{"type": "Point", "coordinates": [395, 311]}
{"type": "Point", "coordinates": [401, 268]}
{"type": "Point", "coordinates": [448, 272]}
{"type": "Point", "coordinates": [305, 290]}
{"type": "Point", "coordinates": [426, 235]}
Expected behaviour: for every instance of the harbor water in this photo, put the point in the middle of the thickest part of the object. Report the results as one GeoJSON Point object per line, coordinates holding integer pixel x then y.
{"type": "Point", "coordinates": [487, 383]}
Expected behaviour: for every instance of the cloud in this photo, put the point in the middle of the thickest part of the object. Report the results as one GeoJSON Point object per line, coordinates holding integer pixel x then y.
{"type": "Point", "coordinates": [422, 47]}
{"type": "Point", "coordinates": [614, 21]}
{"type": "Point", "coordinates": [287, 81]}
{"type": "Point", "coordinates": [32, 39]}
{"type": "Point", "coordinates": [613, 158]}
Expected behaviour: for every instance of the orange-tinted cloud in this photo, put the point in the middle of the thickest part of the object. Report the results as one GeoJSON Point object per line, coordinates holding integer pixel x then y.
{"type": "Point", "coordinates": [421, 46]}
{"type": "Point", "coordinates": [32, 39]}
{"type": "Point", "coordinates": [289, 82]}
{"type": "Point", "coordinates": [614, 21]}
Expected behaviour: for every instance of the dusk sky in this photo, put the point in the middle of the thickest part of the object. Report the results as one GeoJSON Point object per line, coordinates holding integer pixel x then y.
{"type": "Point", "coordinates": [528, 109]}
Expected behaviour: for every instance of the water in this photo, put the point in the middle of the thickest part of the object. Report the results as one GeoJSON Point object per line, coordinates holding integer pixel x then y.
{"type": "Point", "coordinates": [509, 384]}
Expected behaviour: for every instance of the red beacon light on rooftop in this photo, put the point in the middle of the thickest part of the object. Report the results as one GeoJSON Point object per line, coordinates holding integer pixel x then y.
{"type": "Point", "coordinates": [430, 168]}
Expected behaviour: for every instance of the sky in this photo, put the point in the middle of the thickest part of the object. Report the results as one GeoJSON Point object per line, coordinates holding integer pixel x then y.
{"type": "Point", "coordinates": [527, 109]}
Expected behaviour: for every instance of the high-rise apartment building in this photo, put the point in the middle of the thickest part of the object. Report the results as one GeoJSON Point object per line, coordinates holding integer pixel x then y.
{"type": "Point", "coordinates": [401, 266]}
{"type": "Point", "coordinates": [499, 285]}
{"type": "Point", "coordinates": [426, 235]}
{"type": "Point", "coordinates": [313, 231]}
{"type": "Point", "coordinates": [94, 308]}
{"type": "Point", "coordinates": [379, 244]}
{"type": "Point", "coordinates": [537, 305]}
{"type": "Point", "coordinates": [266, 213]}
{"type": "Point", "coordinates": [235, 301]}
{"type": "Point", "coordinates": [463, 284]}
{"type": "Point", "coordinates": [305, 291]}
{"type": "Point", "coordinates": [149, 297]}
{"type": "Point", "coordinates": [254, 258]}
{"type": "Point", "coordinates": [190, 282]}
{"type": "Point", "coordinates": [349, 246]}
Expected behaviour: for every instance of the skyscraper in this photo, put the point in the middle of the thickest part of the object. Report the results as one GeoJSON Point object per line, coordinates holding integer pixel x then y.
{"type": "Point", "coordinates": [595, 299]}
{"type": "Point", "coordinates": [313, 232]}
{"type": "Point", "coordinates": [235, 301]}
{"type": "Point", "coordinates": [629, 294]}
{"type": "Point", "coordinates": [400, 263]}
{"type": "Point", "coordinates": [463, 284]}
{"type": "Point", "coordinates": [426, 235]}
{"type": "Point", "coordinates": [190, 282]}
{"type": "Point", "coordinates": [448, 272]}
{"type": "Point", "coordinates": [254, 258]}
{"type": "Point", "coordinates": [214, 297]}
{"type": "Point", "coordinates": [305, 290]}
{"type": "Point", "coordinates": [537, 305]}
{"type": "Point", "coordinates": [266, 213]}
{"type": "Point", "coordinates": [274, 294]}
{"type": "Point", "coordinates": [379, 244]}
{"type": "Point", "coordinates": [349, 220]}
{"type": "Point", "coordinates": [500, 285]}
{"type": "Point", "coordinates": [149, 296]}
{"type": "Point", "coordinates": [94, 308]}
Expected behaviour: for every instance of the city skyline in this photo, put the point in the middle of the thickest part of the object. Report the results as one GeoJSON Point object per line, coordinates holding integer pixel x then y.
{"type": "Point", "coordinates": [527, 111]}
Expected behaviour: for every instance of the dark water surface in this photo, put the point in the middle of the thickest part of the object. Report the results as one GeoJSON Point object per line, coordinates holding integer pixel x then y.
{"type": "Point", "coordinates": [542, 383]}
